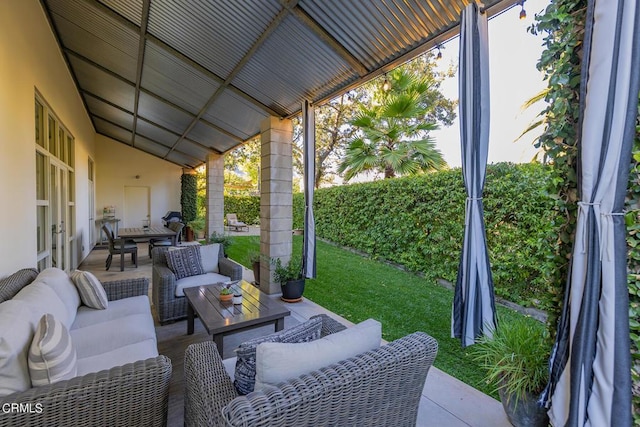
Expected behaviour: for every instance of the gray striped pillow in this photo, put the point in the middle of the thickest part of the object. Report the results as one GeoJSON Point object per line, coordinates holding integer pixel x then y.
{"type": "Point", "coordinates": [185, 262]}
{"type": "Point", "coordinates": [52, 357]}
{"type": "Point", "coordinates": [90, 289]}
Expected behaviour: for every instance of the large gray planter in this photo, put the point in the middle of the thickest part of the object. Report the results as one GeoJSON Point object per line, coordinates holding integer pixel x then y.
{"type": "Point", "coordinates": [292, 290]}
{"type": "Point", "coordinates": [524, 412]}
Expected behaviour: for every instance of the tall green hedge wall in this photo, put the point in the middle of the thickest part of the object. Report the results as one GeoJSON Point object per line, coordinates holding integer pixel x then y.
{"type": "Point", "coordinates": [419, 222]}
{"type": "Point", "coordinates": [246, 207]}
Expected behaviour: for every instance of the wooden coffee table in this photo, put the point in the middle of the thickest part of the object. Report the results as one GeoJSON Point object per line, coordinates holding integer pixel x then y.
{"type": "Point", "coordinates": [224, 318]}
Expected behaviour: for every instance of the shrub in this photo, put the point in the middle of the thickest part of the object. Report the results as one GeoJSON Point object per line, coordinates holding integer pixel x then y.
{"type": "Point", "coordinates": [419, 222]}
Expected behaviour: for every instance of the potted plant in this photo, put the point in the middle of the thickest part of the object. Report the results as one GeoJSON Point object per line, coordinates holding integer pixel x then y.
{"type": "Point", "coordinates": [516, 361]}
{"type": "Point", "coordinates": [254, 259]}
{"type": "Point", "coordinates": [226, 293]}
{"type": "Point", "coordinates": [290, 278]}
{"type": "Point", "coordinates": [197, 227]}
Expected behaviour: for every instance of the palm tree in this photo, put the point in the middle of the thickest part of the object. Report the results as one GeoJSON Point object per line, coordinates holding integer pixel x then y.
{"type": "Point", "coordinates": [393, 134]}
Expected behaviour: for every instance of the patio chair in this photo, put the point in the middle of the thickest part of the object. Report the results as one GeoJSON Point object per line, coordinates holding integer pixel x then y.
{"type": "Point", "coordinates": [175, 226]}
{"type": "Point", "coordinates": [130, 247]}
{"type": "Point", "coordinates": [379, 387]}
{"type": "Point", "coordinates": [232, 222]}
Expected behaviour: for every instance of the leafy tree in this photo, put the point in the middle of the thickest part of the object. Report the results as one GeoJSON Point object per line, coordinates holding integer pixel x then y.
{"type": "Point", "coordinates": [333, 132]}
{"type": "Point", "coordinates": [242, 169]}
{"type": "Point", "coordinates": [393, 132]}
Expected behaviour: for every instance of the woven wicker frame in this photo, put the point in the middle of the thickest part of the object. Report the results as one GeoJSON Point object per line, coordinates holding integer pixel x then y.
{"type": "Point", "coordinates": [168, 306]}
{"type": "Point", "coordinates": [135, 394]}
{"type": "Point", "coordinates": [379, 387]}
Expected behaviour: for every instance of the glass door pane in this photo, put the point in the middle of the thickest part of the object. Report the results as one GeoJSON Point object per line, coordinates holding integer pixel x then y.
{"type": "Point", "coordinates": [55, 214]}
{"type": "Point", "coordinates": [63, 253]}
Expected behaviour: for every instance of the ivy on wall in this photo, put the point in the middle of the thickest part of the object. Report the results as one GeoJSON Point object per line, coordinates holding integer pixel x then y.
{"type": "Point", "coordinates": [188, 197]}
{"type": "Point", "coordinates": [632, 219]}
{"type": "Point", "coordinates": [563, 24]}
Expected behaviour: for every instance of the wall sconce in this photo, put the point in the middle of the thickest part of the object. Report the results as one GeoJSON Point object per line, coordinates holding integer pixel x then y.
{"type": "Point", "coordinates": [386, 85]}
{"type": "Point", "coordinates": [523, 13]}
{"type": "Point", "coordinates": [439, 54]}
{"type": "Point", "coordinates": [137, 176]}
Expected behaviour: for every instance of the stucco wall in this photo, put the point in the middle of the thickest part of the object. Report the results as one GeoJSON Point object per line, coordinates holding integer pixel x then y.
{"type": "Point", "coordinates": [30, 61]}
{"type": "Point", "coordinates": [118, 167]}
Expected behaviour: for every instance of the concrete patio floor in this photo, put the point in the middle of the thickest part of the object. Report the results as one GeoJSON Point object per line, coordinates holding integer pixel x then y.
{"type": "Point", "coordinates": [445, 401]}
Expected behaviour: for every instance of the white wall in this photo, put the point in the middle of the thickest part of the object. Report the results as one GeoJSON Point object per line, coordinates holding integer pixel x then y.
{"type": "Point", "coordinates": [118, 167]}
{"type": "Point", "coordinates": [30, 60]}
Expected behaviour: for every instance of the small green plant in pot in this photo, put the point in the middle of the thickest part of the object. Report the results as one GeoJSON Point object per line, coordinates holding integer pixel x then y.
{"type": "Point", "coordinates": [516, 360]}
{"type": "Point", "coordinates": [226, 293]}
{"type": "Point", "coordinates": [290, 278]}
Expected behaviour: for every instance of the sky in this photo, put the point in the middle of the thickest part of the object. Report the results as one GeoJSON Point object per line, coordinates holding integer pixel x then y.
{"type": "Point", "coordinates": [513, 54]}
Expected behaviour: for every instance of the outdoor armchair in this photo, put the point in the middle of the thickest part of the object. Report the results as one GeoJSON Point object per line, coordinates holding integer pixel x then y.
{"type": "Point", "coordinates": [378, 387]}
{"type": "Point", "coordinates": [168, 305]}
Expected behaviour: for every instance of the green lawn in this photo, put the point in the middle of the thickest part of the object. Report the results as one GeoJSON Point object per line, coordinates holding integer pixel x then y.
{"type": "Point", "coordinates": [358, 288]}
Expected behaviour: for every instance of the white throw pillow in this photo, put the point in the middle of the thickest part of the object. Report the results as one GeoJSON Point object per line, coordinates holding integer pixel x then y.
{"type": "Point", "coordinates": [15, 339]}
{"type": "Point", "coordinates": [42, 298]}
{"type": "Point", "coordinates": [277, 362]}
{"type": "Point", "coordinates": [52, 357]}
{"type": "Point", "coordinates": [91, 291]}
{"type": "Point", "coordinates": [209, 255]}
{"type": "Point", "coordinates": [60, 281]}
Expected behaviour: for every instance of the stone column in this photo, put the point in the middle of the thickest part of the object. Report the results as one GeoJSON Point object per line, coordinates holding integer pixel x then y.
{"type": "Point", "coordinates": [215, 194]}
{"type": "Point", "coordinates": [276, 200]}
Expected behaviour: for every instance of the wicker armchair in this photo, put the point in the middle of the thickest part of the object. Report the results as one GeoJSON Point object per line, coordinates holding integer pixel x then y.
{"type": "Point", "coordinates": [379, 387]}
{"type": "Point", "coordinates": [168, 306]}
{"type": "Point", "coordinates": [135, 394]}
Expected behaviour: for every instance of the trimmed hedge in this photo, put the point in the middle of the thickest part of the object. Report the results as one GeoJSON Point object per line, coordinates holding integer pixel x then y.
{"type": "Point", "coordinates": [419, 222]}
{"type": "Point", "coordinates": [246, 207]}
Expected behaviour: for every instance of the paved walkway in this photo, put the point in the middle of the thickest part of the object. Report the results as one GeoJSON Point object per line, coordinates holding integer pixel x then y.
{"type": "Point", "coordinates": [445, 400]}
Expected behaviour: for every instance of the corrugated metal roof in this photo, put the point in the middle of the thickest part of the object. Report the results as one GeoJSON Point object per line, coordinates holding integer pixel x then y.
{"type": "Point", "coordinates": [192, 77]}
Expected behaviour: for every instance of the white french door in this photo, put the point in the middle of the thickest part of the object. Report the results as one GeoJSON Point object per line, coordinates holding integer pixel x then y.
{"type": "Point", "coordinates": [55, 191]}
{"type": "Point", "coordinates": [60, 248]}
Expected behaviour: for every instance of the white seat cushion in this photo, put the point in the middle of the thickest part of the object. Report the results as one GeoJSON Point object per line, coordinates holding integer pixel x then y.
{"type": "Point", "coordinates": [117, 309]}
{"type": "Point", "coordinates": [126, 354]}
{"type": "Point", "coordinates": [230, 367]}
{"type": "Point", "coordinates": [277, 362]}
{"type": "Point", "coordinates": [199, 280]}
{"type": "Point", "coordinates": [110, 335]}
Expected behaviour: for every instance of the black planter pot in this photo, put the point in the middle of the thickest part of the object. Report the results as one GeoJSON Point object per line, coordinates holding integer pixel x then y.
{"type": "Point", "coordinates": [292, 290]}
{"type": "Point", "coordinates": [524, 412]}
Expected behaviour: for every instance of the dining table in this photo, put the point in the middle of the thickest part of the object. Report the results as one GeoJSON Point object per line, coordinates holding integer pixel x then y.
{"type": "Point", "coordinates": [144, 233]}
